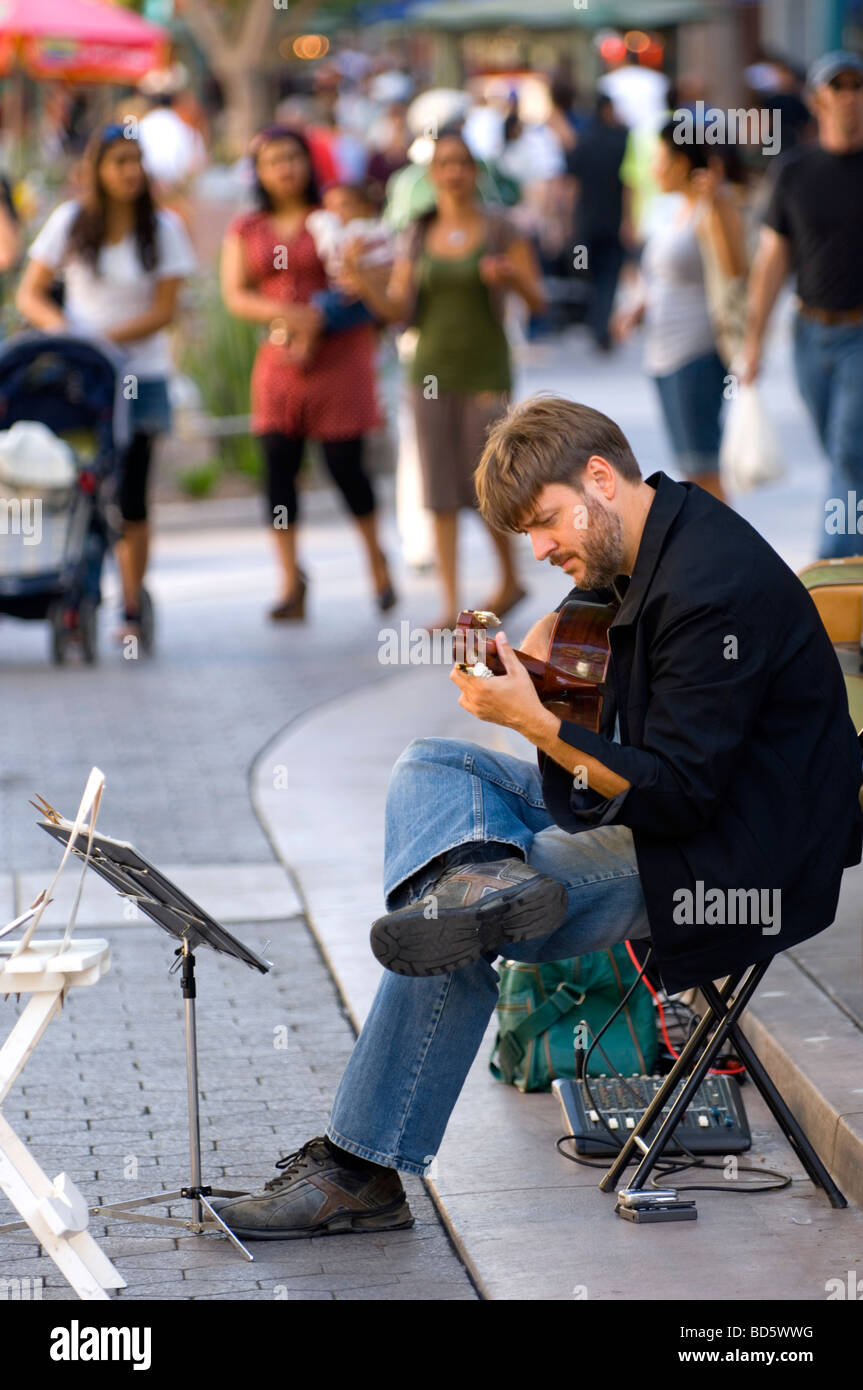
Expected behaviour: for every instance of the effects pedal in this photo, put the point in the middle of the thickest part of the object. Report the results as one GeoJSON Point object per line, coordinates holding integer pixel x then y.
{"type": "Point", "coordinates": [654, 1204]}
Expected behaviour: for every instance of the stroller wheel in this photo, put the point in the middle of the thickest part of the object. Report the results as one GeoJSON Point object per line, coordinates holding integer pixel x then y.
{"type": "Point", "coordinates": [59, 633]}
{"type": "Point", "coordinates": [88, 630]}
{"type": "Point", "coordinates": [147, 620]}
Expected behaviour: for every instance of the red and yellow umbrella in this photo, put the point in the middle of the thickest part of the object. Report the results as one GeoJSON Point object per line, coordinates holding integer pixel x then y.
{"type": "Point", "coordinates": [79, 40]}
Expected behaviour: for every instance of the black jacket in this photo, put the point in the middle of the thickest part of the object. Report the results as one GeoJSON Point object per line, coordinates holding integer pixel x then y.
{"type": "Point", "coordinates": [745, 768]}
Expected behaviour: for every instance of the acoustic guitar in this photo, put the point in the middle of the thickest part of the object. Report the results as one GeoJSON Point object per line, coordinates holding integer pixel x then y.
{"type": "Point", "coordinates": [571, 682]}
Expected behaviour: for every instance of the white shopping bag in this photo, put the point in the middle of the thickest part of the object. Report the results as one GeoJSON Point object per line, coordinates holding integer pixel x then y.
{"type": "Point", "coordinates": [415, 523]}
{"type": "Point", "coordinates": [749, 455]}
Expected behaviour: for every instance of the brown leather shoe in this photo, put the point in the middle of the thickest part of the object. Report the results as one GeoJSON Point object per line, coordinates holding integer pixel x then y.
{"type": "Point", "coordinates": [470, 909]}
{"type": "Point", "coordinates": [314, 1195]}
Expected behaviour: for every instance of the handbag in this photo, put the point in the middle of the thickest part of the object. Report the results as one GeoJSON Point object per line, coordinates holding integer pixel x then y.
{"type": "Point", "coordinates": [540, 1007]}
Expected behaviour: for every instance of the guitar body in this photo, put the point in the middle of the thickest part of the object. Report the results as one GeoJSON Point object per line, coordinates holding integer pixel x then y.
{"type": "Point", "coordinates": [571, 681]}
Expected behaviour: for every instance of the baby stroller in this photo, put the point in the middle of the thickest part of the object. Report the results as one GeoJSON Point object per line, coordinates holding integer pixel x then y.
{"type": "Point", "coordinates": [71, 387]}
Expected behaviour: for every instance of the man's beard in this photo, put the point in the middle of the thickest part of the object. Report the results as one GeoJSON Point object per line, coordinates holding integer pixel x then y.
{"type": "Point", "coordinates": [603, 552]}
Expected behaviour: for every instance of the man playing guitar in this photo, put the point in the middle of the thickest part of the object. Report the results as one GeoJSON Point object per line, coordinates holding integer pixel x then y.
{"type": "Point", "coordinates": [725, 766]}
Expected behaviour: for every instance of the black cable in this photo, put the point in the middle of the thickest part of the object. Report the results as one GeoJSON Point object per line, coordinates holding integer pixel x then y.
{"type": "Point", "coordinates": [662, 1164]}
{"type": "Point", "coordinates": [608, 1022]}
{"type": "Point", "coordinates": [668, 1167]}
{"type": "Point", "coordinates": [688, 1025]}
{"type": "Point", "coordinates": [785, 1179]}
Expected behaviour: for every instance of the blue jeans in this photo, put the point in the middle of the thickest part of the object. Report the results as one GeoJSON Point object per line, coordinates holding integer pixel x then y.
{"type": "Point", "coordinates": [422, 1034]}
{"type": "Point", "coordinates": [828, 363]}
{"type": "Point", "coordinates": [691, 399]}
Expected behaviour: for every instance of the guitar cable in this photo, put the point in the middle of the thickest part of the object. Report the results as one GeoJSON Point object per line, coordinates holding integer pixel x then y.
{"type": "Point", "coordinates": [736, 1069]}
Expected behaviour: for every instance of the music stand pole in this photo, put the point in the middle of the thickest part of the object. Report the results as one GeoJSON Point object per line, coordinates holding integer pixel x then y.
{"type": "Point", "coordinates": [189, 994]}
{"type": "Point", "coordinates": [204, 1216]}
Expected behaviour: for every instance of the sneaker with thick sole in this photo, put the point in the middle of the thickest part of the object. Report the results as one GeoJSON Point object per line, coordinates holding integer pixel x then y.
{"type": "Point", "coordinates": [315, 1195]}
{"type": "Point", "coordinates": [470, 909]}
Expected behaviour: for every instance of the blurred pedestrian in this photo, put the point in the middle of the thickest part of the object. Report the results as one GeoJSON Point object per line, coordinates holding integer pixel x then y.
{"type": "Point", "coordinates": [173, 150]}
{"type": "Point", "coordinates": [639, 93]}
{"type": "Point", "coordinates": [793, 115]}
{"type": "Point", "coordinates": [603, 228]}
{"type": "Point", "coordinates": [270, 272]}
{"type": "Point", "coordinates": [777, 83]}
{"type": "Point", "coordinates": [390, 139]}
{"type": "Point", "coordinates": [452, 270]}
{"type": "Point", "coordinates": [295, 112]}
{"type": "Point", "coordinates": [812, 225]}
{"type": "Point", "coordinates": [681, 336]}
{"type": "Point", "coordinates": [122, 262]}
{"type": "Point", "coordinates": [566, 119]}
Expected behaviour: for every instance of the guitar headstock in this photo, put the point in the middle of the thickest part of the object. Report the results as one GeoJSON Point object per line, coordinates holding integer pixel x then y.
{"type": "Point", "coordinates": [477, 618]}
{"type": "Point", "coordinates": [469, 637]}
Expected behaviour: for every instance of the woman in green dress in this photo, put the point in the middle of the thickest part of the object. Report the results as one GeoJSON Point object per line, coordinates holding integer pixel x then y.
{"type": "Point", "coordinates": [452, 271]}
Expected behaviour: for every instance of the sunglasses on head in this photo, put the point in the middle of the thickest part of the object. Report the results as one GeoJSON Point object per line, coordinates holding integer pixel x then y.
{"type": "Point", "coordinates": [845, 83]}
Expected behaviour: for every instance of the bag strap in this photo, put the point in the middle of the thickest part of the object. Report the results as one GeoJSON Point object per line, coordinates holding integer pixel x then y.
{"type": "Point", "coordinates": [512, 1045]}
{"type": "Point", "coordinates": [725, 294]}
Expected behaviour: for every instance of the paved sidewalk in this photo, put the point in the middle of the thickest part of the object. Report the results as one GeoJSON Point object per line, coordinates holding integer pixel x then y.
{"type": "Point", "coordinates": [103, 1097]}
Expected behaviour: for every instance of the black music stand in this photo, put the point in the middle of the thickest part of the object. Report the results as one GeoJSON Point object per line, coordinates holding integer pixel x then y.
{"type": "Point", "coordinates": [132, 876]}
{"type": "Point", "coordinates": [719, 1023]}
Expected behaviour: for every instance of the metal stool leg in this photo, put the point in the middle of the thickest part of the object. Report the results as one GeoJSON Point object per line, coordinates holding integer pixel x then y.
{"type": "Point", "coordinates": [681, 1069]}
{"type": "Point", "coordinates": [783, 1116]}
{"type": "Point", "coordinates": [653, 1152]}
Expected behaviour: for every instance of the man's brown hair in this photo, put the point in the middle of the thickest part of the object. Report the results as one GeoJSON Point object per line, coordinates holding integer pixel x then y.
{"type": "Point", "coordinates": [546, 439]}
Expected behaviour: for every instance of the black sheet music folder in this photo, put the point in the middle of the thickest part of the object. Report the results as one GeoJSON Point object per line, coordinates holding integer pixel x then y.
{"type": "Point", "coordinates": [133, 876]}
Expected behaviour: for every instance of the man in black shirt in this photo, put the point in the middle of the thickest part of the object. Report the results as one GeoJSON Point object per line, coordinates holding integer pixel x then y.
{"type": "Point", "coordinates": [813, 226]}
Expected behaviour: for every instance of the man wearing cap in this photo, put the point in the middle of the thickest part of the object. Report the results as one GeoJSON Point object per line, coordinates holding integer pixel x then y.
{"type": "Point", "coordinates": [172, 150]}
{"type": "Point", "coordinates": [813, 226]}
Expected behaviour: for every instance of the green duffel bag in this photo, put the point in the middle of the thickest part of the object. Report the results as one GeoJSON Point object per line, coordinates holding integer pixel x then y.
{"type": "Point", "coordinates": [540, 1006]}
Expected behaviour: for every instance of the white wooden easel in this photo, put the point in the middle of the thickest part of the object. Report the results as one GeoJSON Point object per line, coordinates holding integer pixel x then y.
{"type": "Point", "coordinates": [56, 1212]}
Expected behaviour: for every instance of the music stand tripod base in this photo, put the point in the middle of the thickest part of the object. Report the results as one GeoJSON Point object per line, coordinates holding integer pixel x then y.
{"type": "Point", "coordinates": [126, 1211]}
{"type": "Point", "coordinates": [194, 1193]}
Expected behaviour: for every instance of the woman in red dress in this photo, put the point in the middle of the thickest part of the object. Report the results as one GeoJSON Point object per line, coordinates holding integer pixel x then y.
{"type": "Point", "coordinates": [270, 270]}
